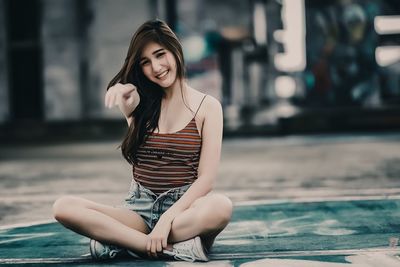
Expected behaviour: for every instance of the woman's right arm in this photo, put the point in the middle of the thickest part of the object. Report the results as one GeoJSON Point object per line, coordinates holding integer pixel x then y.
{"type": "Point", "coordinates": [125, 96]}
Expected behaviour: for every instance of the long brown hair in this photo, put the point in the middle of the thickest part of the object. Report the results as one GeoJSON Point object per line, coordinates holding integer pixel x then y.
{"type": "Point", "coordinates": [147, 113]}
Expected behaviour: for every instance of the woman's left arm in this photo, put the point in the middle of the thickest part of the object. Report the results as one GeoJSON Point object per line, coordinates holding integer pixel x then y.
{"type": "Point", "coordinates": [209, 158]}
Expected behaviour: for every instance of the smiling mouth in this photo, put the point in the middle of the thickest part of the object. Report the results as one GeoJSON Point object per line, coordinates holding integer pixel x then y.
{"type": "Point", "coordinates": [162, 74]}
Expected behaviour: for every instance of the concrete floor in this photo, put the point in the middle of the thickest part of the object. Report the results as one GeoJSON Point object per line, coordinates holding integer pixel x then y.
{"type": "Point", "coordinates": [271, 169]}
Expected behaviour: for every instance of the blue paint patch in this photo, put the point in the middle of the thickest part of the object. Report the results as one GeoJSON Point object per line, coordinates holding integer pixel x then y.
{"type": "Point", "coordinates": [311, 226]}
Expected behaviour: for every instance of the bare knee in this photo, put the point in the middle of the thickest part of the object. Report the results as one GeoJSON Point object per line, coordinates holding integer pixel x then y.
{"type": "Point", "coordinates": [225, 208]}
{"type": "Point", "coordinates": [218, 211]}
{"type": "Point", "coordinates": [63, 207]}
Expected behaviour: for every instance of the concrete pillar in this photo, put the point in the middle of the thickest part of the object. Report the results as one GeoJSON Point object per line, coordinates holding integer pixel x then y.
{"type": "Point", "coordinates": [61, 60]}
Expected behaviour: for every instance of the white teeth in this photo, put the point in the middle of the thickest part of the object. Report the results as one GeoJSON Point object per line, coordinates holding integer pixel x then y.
{"type": "Point", "coordinates": [162, 74]}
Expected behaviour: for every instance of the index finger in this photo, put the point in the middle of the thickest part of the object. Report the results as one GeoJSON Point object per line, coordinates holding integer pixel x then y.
{"type": "Point", "coordinates": [159, 246]}
{"type": "Point", "coordinates": [148, 247]}
{"type": "Point", "coordinates": [154, 248]}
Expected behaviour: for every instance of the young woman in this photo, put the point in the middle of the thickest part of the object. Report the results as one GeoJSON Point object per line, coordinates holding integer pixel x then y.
{"type": "Point", "coordinates": [174, 145]}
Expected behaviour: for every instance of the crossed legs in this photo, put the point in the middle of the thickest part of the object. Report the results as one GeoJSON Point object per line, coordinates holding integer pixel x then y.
{"type": "Point", "coordinates": [206, 217]}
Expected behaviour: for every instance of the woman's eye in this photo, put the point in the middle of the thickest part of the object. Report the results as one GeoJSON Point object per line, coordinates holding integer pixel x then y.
{"type": "Point", "coordinates": [160, 55]}
{"type": "Point", "coordinates": [144, 63]}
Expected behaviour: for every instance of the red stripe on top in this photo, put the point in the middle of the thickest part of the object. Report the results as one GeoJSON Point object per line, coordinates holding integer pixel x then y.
{"type": "Point", "coordinates": [168, 160]}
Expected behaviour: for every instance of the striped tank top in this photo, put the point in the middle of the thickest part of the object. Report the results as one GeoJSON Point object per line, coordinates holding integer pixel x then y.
{"type": "Point", "coordinates": [169, 160]}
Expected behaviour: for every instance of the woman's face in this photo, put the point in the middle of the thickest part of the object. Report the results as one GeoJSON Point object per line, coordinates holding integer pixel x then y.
{"type": "Point", "coordinates": [158, 65]}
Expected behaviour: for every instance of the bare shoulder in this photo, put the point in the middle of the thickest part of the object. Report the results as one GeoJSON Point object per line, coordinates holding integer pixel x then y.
{"type": "Point", "coordinates": [212, 105]}
{"type": "Point", "coordinates": [207, 104]}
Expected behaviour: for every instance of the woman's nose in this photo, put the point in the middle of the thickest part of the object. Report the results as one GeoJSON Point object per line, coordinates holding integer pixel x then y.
{"type": "Point", "coordinates": [156, 66]}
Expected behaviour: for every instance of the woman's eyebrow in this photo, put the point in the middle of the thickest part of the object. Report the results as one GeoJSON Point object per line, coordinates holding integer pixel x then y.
{"type": "Point", "coordinates": [155, 52]}
{"type": "Point", "coordinates": [158, 50]}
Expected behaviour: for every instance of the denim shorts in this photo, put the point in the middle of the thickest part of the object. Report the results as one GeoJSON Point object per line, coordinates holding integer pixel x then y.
{"type": "Point", "coordinates": [150, 206]}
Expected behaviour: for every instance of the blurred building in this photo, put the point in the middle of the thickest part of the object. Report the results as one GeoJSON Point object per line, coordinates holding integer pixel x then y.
{"type": "Point", "coordinates": [317, 65]}
{"type": "Point", "coordinates": [266, 60]}
{"type": "Point", "coordinates": [57, 56]}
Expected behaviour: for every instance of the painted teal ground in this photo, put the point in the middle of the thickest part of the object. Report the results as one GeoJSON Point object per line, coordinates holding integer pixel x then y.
{"type": "Point", "coordinates": [325, 231]}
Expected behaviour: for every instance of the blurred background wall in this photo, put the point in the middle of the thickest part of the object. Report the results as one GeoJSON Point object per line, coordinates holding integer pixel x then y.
{"type": "Point", "coordinates": [276, 66]}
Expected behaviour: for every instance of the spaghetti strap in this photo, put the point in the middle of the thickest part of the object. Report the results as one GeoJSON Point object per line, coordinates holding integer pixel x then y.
{"type": "Point", "coordinates": [200, 105]}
